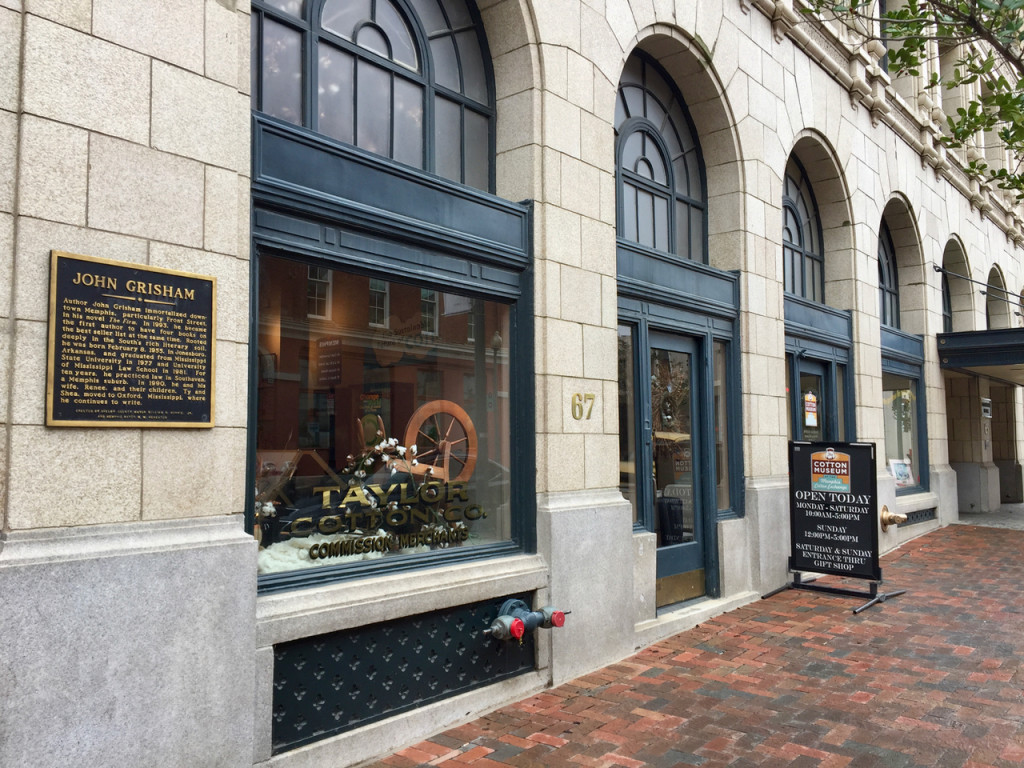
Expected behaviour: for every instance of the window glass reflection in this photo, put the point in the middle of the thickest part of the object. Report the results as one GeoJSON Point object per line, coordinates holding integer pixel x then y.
{"type": "Point", "coordinates": [899, 413]}
{"type": "Point", "coordinates": [403, 48]}
{"type": "Point", "coordinates": [335, 93]}
{"type": "Point", "coordinates": [627, 420]}
{"type": "Point", "coordinates": [282, 71]}
{"type": "Point", "coordinates": [342, 16]}
{"type": "Point", "coordinates": [373, 107]}
{"type": "Point", "coordinates": [446, 64]}
{"type": "Point", "coordinates": [375, 438]}
{"type": "Point", "coordinates": [447, 139]}
{"type": "Point", "coordinates": [721, 395]}
{"type": "Point", "coordinates": [375, 69]}
{"type": "Point", "coordinates": [296, 8]}
{"type": "Point", "coordinates": [409, 122]}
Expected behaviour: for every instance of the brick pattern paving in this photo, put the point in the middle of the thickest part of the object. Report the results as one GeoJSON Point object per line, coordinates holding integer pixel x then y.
{"type": "Point", "coordinates": [929, 678]}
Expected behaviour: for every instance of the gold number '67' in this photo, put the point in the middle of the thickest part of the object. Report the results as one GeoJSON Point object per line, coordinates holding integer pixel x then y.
{"type": "Point", "coordinates": [578, 401]}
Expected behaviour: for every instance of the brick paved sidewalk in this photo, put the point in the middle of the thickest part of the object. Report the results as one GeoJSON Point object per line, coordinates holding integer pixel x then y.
{"type": "Point", "coordinates": [929, 678]}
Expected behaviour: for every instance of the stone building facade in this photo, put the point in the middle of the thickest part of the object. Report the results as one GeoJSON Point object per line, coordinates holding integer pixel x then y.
{"type": "Point", "coordinates": [562, 247]}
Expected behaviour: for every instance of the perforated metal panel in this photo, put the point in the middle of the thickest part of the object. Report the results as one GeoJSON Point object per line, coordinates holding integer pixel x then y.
{"type": "Point", "coordinates": [332, 683]}
{"type": "Point", "coordinates": [919, 516]}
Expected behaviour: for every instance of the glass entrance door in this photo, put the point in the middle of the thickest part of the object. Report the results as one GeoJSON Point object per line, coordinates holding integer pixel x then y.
{"type": "Point", "coordinates": [674, 449]}
{"type": "Point", "coordinates": [813, 417]}
{"type": "Point", "coordinates": [816, 408]}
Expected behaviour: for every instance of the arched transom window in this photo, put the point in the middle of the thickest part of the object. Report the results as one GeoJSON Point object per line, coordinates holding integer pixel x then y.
{"type": "Point", "coordinates": [660, 178]}
{"type": "Point", "coordinates": [888, 280]}
{"type": "Point", "coordinates": [406, 80]}
{"type": "Point", "coordinates": [803, 256]}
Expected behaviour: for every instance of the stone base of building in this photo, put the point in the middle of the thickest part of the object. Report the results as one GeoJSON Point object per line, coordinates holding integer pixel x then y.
{"type": "Point", "coordinates": [136, 637]}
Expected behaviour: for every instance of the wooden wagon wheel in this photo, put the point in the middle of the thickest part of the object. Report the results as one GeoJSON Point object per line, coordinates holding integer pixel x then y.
{"type": "Point", "coordinates": [445, 441]}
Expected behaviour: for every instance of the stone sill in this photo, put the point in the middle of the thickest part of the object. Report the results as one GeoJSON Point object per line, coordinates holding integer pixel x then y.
{"type": "Point", "coordinates": [915, 502]}
{"type": "Point", "coordinates": [285, 616]}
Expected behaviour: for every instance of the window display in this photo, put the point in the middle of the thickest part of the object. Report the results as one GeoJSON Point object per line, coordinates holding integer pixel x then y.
{"type": "Point", "coordinates": [382, 423]}
{"type": "Point", "coordinates": [899, 399]}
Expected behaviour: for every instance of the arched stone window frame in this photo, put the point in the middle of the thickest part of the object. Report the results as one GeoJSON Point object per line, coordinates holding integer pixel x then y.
{"type": "Point", "coordinates": [888, 280]}
{"type": "Point", "coordinates": [658, 164]}
{"type": "Point", "coordinates": [408, 80]}
{"type": "Point", "coordinates": [947, 306]}
{"type": "Point", "coordinates": [802, 239]}
{"type": "Point", "coordinates": [998, 306]}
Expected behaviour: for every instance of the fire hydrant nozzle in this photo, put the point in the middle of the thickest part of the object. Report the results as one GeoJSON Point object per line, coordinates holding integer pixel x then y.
{"type": "Point", "coordinates": [552, 617]}
{"type": "Point", "coordinates": [506, 628]}
{"type": "Point", "coordinates": [515, 618]}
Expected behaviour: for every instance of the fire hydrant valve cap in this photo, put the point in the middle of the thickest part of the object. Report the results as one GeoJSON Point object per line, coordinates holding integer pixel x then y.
{"type": "Point", "coordinates": [517, 629]}
{"type": "Point", "coordinates": [552, 616]}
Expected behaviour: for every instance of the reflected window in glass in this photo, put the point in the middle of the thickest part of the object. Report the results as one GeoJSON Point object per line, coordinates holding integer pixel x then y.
{"type": "Point", "coordinates": [318, 292]}
{"type": "Point", "coordinates": [428, 311]}
{"type": "Point", "coordinates": [374, 443]}
{"type": "Point", "coordinates": [379, 310]}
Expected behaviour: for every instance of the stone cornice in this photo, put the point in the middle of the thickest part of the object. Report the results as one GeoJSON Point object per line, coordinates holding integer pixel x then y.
{"type": "Point", "coordinates": [855, 67]}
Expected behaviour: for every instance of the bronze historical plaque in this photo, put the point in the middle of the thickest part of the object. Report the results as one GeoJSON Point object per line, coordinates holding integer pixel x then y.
{"type": "Point", "coordinates": [129, 345]}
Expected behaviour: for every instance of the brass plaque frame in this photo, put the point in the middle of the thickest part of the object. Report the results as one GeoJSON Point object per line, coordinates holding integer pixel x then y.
{"type": "Point", "coordinates": [148, 292]}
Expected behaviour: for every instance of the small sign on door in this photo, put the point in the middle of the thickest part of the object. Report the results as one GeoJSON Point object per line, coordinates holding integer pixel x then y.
{"type": "Point", "coordinates": [810, 410]}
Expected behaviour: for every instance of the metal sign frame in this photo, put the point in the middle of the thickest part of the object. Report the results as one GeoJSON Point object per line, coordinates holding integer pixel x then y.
{"type": "Point", "coordinates": [833, 515]}
{"type": "Point", "coordinates": [107, 322]}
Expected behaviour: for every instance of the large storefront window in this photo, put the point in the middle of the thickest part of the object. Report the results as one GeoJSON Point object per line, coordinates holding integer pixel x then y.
{"type": "Point", "coordinates": [378, 434]}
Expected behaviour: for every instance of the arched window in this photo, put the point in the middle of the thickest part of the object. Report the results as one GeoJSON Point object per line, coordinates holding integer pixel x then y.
{"type": "Point", "coordinates": [997, 303]}
{"type": "Point", "coordinates": [888, 280]}
{"type": "Point", "coordinates": [804, 259]}
{"type": "Point", "coordinates": [660, 171]}
{"type": "Point", "coordinates": [408, 80]}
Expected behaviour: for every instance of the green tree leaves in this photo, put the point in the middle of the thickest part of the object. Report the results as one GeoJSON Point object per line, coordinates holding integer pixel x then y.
{"type": "Point", "coordinates": [973, 48]}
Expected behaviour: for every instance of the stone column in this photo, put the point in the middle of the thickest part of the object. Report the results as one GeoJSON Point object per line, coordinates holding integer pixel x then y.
{"type": "Point", "coordinates": [128, 581]}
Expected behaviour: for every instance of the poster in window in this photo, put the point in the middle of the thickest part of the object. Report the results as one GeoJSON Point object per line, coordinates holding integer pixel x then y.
{"type": "Point", "coordinates": [810, 410]}
{"type": "Point", "coordinates": [900, 470]}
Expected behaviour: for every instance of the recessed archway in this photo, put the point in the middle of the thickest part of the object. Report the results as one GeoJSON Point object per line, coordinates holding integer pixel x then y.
{"type": "Point", "coordinates": [689, 68]}
{"type": "Point", "coordinates": [958, 296]}
{"type": "Point", "coordinates": [906, 242]}
{"type": "Point", "coordinates": [998, 303]}
{"type": "Point", "coordinates": [818, 160]}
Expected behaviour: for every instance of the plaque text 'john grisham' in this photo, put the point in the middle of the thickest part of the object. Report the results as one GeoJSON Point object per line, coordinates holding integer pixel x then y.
{"type": "Point", "coordinates": [129, 345]}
